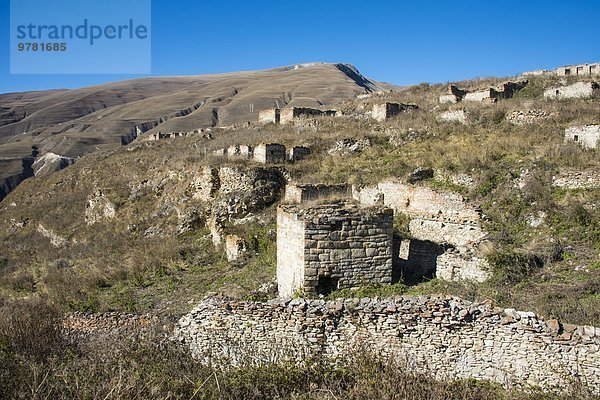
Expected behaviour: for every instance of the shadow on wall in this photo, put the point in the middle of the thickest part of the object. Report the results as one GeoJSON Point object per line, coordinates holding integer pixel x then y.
{"type": "Point", "coordinates": [415, 261]}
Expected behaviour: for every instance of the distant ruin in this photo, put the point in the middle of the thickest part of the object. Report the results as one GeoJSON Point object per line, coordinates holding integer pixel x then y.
{"type": "Point", "coordinates": [588, 136]}
{"type": "Point", "coordinates": [332, 246]}
{"type": "Point", "coordinates": [269, 153]}
{"type": "Point", "coordinates": [569, 70]}
{"type": "Point", "coordinates": [291, 113]}
{"type": "Point", "coordinates": [505, 90]}
{"type": "Point", "coordinates": [264, 153]}
{"type": "Point", "coordinates": [269, 116]}
{"type": "Point", "coordinates": [386, 110]}
{"type": "Point", "coordinates": [578, 90]}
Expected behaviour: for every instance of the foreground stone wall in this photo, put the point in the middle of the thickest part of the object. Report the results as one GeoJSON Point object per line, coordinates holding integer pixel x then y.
{"type": "Point", "coordinates": [448, 337]}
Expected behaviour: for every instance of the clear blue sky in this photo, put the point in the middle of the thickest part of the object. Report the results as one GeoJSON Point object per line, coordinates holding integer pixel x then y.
{"type": "Point", "coordinates": [401, 42]}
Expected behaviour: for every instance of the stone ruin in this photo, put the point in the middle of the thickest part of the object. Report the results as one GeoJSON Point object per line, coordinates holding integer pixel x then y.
{"type": "Point", "coordinates": [303, 193]}
{"type": "Point", "coordinates": [577, 90]}
{"type": "Point", "coordinates": [568, 70]}
{"type": "Point", "coordinates": [270, 116]}
{"type": "Point", "coordinates": [264, 153]}
{"type": "Point", "coordinates": [270, 153]}
{"type": "Point", "coordinates": [454, 95]}
{"type": "Point", "coordinates": [588, 136]}
{"type": "Point", "coordinates": [386, 110]}
{"type": "Point", "coordinates": [332, 246]}
{"type": "Point", "coordinates": [166, 135]}
{"type": "Point", "coordinates": [505, 90]}
{"type": "Point", "coordinates": [289, 114]}
{"type": "Point", "coordinates": [578, 70]}
{"type": "Point", "coordinates": [526, 117]}
{"type": "Point", "coordinates": [446, 231]}
{"type": "Point", "coordinates": [298, 153]}
{"type": "Point", "coordinates": [235, 247]}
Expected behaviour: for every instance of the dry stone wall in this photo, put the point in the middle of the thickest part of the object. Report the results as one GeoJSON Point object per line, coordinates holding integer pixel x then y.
{"type": "Point", "coordinates": [577, 179]}
{"type": "Point", "coordinates": [448, 337]}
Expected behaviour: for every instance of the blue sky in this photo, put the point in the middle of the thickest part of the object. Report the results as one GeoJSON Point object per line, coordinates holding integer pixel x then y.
{"type": "Point", "coordinates": [402, 42]}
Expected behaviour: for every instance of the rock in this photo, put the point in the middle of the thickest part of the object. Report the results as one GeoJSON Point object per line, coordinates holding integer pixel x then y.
{"type": "Point", "coordinates": [346, 147]}
{"type": "Point", "coordinates": [420, 174]}
{"type": "Point", "coordinates": [235, 247]}
{"type": "Point", "coordinates": [98, 208]}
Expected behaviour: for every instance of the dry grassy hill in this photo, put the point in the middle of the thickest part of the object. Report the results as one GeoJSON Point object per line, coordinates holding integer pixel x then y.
{"type": "Point", "coordinates": [76, 122]}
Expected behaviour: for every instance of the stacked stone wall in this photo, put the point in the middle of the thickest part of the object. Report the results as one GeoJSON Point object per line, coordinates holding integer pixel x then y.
{"type": "Point", "coordinates": [448, 337]}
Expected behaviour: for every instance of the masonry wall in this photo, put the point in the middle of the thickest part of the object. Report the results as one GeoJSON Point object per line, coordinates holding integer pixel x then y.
{"type": "Point", "coordinates": [343, 246]}
{"type": "Point", "coordinates": [576, 90]}
{"type": "Point", "coordinates": [291, 113]}
{"type": "Point", "coordinates": [269, 153]}
{"type": "Point", "coordinates": [588, 136]}
{"type": "Point", "coordinates": [303, 193]}
{"type": "Point", "coordinates": [447, 337]}
{"type": "Point", "coordinates": [269, 116]}
{"type": "Point", "coordinates": [482, 95]}
{"type": "Point", "coordinates": [436, 216]}
{"type": "Point", "coordinates": [290, 253]}
{"type": "Point", "coordinates": [578, 179]}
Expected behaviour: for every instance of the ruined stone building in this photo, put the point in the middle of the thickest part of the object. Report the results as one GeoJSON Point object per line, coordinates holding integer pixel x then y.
{"type": "Point", "coordinates": [445, 231]}
{"type": "Point", "coordinates": [269, 116]}
{"type": "Point", "coordinates": [387, 110]}
{"type": "Point", "coordinates": [298, 153]}
{"type": "Point", "coordinates": [577, 90]}
{"type": "Point", "coordinates": [505, 90]}
{"type": "Point", "coordinates": [303, 193]}
{"type": "Point", "coordinates": [569, 70]}
{"type": "Point", "coordinates": [269, 153]}
{"type": "Point", "coordinates": [237, 151]}
{"type": "Point", "coordinates": [332, 246]}
{"type": "Point", "coordinates": [578, 70]}
{"type": "Point", "coordinates": [291, 113]}
{"type": "Point", "coordinates": [588, 136]}
{"type": "Point", "coordinates": [166, 135]}
{"type": "Point", "coordinates": [454, 95]}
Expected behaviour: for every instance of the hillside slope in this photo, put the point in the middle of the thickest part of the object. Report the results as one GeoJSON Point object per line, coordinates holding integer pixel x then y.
{"type": "Point", "coordinates": [72, 123]}
{"type": "Point", "coordinates": [127, 229]}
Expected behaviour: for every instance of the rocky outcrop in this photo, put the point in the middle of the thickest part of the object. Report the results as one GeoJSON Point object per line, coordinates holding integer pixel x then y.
{"type": "Point", "coordinates": [453, 337]}
{"type": "Point", "coordinates": [231, 193]}
{"type": "Point", "coordinates": [98, 208]}
{"type": "Point", "coordinates": [50, 162]}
